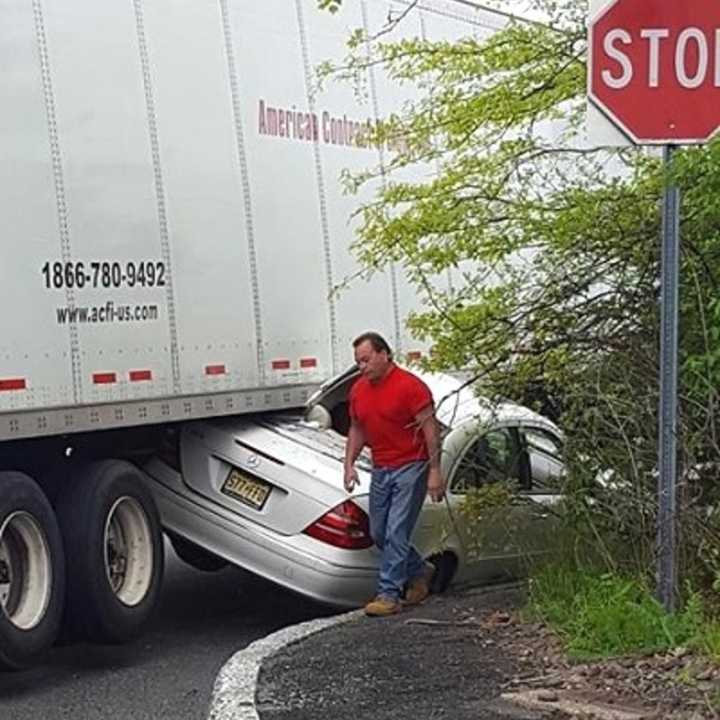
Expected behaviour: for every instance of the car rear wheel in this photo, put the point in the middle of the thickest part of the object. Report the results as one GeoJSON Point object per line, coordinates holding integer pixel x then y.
{"type": "Point", "coordinates": [112, 532]}
{"type": "Point", "coordinates": [32, 572]}
{"type": "Point", "coordinates": [445, 566]}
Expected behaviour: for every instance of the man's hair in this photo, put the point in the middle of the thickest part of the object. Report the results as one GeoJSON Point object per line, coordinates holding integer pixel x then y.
{"type": "Point", "coordinates": [376, 340]}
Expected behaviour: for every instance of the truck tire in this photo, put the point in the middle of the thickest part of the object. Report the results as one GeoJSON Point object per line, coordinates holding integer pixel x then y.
{"type": "Point", "coordinates": [114, 544]}
{"type": "Point", "coordinates": [196, 556]}
{"type": "Point", "coordinates": [32, 572]}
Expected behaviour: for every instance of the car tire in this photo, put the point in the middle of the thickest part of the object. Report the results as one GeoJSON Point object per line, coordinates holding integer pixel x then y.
{"type": "Point", "coordinates": [195, 556]}
{"type": "Point", "coordinates": [112, 533]}
{"type": "Point", "coordinates": [32, 572]}
{"type": "Point", "coordinates": [445, 566]}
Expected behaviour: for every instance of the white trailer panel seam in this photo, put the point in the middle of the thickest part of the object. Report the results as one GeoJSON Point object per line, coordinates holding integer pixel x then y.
{"type": "Point", "coordinates": [247, 196]}
{"type": "Point", "coordinates": [330, 283]}
{"type": "Point", "coordinates": [381, 151]}
{"type": "Point", "coordinates": [60, 195]}
{"type": "Point", "coordinates": [159, 193]}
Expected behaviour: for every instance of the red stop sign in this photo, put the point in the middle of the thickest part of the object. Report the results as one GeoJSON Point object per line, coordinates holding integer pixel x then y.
{"type": "Point", "coordinates": [654, 68]}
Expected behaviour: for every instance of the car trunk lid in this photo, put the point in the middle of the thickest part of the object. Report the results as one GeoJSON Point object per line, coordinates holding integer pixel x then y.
{"type": "Point", "coordinates": [274, 471]}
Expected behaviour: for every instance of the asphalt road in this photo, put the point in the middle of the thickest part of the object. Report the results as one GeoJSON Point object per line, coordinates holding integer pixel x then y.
{"type": "Point", "coordinates": [443, 660]}
{"type": "Point", "coordinates": [168, 673]}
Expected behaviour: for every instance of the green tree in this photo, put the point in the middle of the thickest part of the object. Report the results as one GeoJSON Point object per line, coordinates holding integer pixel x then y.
{"type": "Point", "coordinates": [554, 246]}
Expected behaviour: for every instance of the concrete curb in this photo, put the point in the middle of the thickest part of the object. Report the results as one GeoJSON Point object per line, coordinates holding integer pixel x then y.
{"type": "Point", "coordinates": [233, 695]}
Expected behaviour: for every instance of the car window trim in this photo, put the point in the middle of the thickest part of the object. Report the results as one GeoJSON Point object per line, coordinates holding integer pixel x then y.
{"type": "Point", "coordinates": [539, 489]}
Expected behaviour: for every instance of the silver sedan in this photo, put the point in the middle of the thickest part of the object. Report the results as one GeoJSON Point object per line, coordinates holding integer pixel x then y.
{"type": "Point", "coordinates": [265, 492]}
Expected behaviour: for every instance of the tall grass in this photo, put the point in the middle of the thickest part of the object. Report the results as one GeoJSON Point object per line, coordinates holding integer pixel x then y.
{"type": "Point", "coordinates": [606, 614]}
{"type": "Point", "coordinates": [708, 641]}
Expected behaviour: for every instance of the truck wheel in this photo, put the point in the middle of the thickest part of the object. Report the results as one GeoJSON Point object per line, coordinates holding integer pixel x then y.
{"type": "Point", "coordinates": [195, 556]}
{"type": "Point", "coordinates": [112, 533]}
{"type": "Point", "coordinates": [32, 572]}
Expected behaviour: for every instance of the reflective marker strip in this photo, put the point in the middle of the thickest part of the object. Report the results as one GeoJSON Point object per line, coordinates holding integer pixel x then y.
{"type": "Point", "coordinates": [104, 378]}
{"type": "Point", "coordinates": [214, 369]}
{"type": "Point", "coordinates": [308, 362]}
{"type": "Point", "coordinates": [280, 364]}
{"type": "Point", "coordinates": [13, 384]}
{"type": "Point", "coordinates": [140, 375]}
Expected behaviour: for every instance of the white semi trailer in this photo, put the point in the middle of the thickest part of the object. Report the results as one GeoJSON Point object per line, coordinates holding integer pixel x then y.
{"type": "Point", "coordinates": [173, 227]}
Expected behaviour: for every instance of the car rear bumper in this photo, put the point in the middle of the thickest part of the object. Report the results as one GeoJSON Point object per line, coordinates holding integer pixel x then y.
{"type": "Point", "coordinates": [295, 561]}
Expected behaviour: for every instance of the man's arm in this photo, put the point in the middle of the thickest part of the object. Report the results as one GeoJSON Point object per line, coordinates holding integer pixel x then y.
{"type": "Point", "coordinates": [353, 447]}
{"type": "Point", "coordinates": [429, 426]}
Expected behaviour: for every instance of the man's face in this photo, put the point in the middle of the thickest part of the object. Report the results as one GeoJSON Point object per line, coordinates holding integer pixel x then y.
{"type": "Point", "coordinates": [373, 364]}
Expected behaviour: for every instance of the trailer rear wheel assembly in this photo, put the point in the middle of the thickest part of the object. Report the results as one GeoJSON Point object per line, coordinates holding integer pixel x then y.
{"type": "Point", "coordinates": [112, 535]}
{"type": "Point", "coordinates": [32, 572]}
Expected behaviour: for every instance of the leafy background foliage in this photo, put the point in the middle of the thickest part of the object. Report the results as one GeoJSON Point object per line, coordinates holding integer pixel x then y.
{"type": "Point", "coordinates": [555, 243]}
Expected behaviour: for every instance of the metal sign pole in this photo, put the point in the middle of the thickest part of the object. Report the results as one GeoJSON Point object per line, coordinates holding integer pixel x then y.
{"type": "Point", "coordinates": [667, 446]}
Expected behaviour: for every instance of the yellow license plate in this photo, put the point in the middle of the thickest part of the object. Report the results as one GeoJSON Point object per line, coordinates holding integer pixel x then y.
{"type": "Point", "coordinates": [249, 490]}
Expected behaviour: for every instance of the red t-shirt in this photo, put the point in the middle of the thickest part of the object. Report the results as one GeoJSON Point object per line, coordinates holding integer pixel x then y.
{"type": "Point", "coordinates": [386, 412]}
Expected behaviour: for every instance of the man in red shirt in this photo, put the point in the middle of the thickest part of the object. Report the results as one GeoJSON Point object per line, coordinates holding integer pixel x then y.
{"type": "Point", "coordinates": [391, 411]}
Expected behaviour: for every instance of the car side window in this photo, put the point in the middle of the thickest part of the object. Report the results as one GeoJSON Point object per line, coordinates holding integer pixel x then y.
{"type": "Point", "coordinates": [492, 457]}
{"type": "Point", "coordinates": [545, 455]}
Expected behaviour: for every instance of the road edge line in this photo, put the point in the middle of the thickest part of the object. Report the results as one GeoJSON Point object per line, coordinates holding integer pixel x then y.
{"type": "Point", "coordinates": [233, 696]}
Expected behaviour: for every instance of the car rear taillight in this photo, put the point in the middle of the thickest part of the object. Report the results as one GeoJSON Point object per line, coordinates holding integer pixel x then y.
{"type": "Point", "coordinates": [345, 526]}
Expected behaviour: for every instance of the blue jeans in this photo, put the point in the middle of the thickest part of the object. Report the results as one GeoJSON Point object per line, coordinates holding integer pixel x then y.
{"type": "Point", "coordinates": [396, 497]}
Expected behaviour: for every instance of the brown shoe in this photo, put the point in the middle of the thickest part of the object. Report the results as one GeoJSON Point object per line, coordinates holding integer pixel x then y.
{"type": "Point", "coordinates": [419, 587]}
{"type": "Point", "coordinates": [382, 607]}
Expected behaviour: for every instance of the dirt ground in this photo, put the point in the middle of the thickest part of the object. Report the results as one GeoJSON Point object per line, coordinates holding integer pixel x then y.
{"type": "Point", "coordinates": [678, 684]}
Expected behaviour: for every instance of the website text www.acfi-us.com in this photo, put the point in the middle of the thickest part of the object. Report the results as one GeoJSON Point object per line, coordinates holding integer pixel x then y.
{"type": "Point", "coordinates": [110, 312]}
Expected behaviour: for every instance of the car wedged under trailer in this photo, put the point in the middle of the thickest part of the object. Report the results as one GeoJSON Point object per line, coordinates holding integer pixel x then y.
{"type": "Point", "coordinates": [266, 493]}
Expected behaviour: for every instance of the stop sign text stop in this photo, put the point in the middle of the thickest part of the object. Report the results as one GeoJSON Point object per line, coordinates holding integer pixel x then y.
{"type": "Point", "coordinates": [655, 68]}
{"type": "Point", "coordinates": [689, 50]}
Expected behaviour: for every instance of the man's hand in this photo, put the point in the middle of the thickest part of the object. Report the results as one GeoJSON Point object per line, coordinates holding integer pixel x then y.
{"type": "Point", "coordinates": [353, 447]}
{"type": "Point", "coordinates": [436, 485]}
{"type": "Point", "coordinates": [351, 479]}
